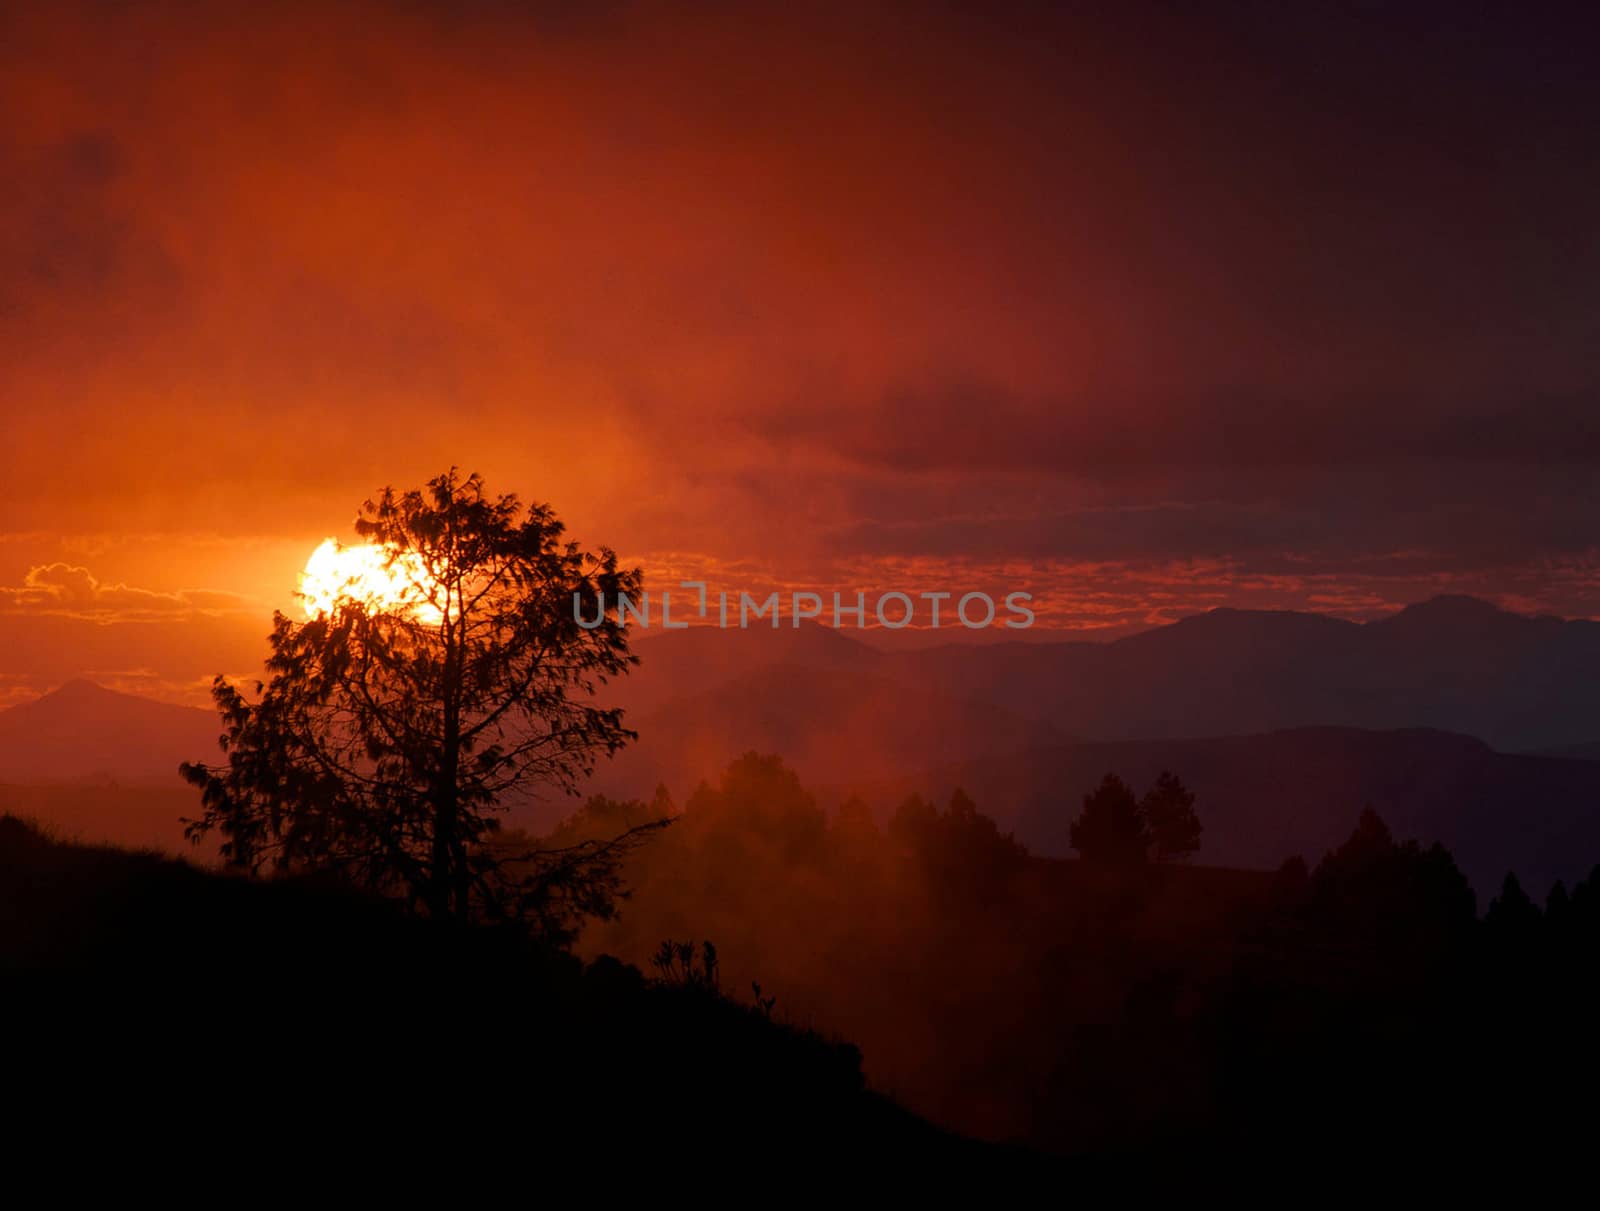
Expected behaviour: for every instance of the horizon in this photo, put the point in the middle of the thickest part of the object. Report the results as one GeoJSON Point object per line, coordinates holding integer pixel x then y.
{"type": "Point", "coordinates": [887, 640]}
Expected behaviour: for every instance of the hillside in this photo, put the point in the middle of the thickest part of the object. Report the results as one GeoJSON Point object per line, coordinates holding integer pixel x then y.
{"type": "Point", "coordinates": [363, 1018]}
{"type": "Point", "coordinates": [101, 810]}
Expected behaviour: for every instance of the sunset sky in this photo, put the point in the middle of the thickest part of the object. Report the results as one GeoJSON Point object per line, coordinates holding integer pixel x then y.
{"type": "Point", "coordinates": [1242, 304]}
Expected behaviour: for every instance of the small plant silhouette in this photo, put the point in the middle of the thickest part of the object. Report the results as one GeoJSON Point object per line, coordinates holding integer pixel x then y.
{"type": "Point", "coordinates": [682, 965]}
{"type": "Point", "coordinates": [764, 1004]}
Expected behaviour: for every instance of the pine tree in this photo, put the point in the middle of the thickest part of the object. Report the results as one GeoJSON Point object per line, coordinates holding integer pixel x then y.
{"type": "Point", "coordinates": [1111, 829]}
{"type": "Point", "coordinates": [1169, 815]}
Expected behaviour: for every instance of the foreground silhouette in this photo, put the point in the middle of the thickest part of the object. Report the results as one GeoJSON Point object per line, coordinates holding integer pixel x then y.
{"type": "Point", "coordinates": [1134, 1009]}
{"type": "Point", "coordinates": [1151, 1021]}
{"type": "Point", "coordinates": [293, 1009]}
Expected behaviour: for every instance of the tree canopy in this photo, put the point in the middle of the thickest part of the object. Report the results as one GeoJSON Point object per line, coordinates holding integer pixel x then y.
{"type": "Point", "coordinates": [1168, 810]}
{"type": "Point", "coordinates": [1116, 828]}
{"type": "Point", "coordinates": [393, 734]}
{"type": "Point", "coordinates": [1111, 829]}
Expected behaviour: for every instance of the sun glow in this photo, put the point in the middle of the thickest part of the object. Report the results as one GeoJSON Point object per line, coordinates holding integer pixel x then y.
{"type": "Point", "coordinates": [371, 575]}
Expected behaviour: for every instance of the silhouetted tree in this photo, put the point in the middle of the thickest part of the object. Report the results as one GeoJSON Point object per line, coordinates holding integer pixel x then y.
{"type": "Point", "coordinates": [1407, 907]}
{"type": "Point", "coordinates": [392, 733]}
{"type": "Point", "coordinates": [602, 817]}
{"type": "Point", "coordinates": [1558, 903]}
{"type": "Point", "coordinates": [1512, 913]}
{"type": "Point", "coordinates": [1169, 815]}
{"type": "Point", "coordinates": [560, 896]}
{"type": "Point", "coordinates": [1513, 928]}
{"type": "Point", "coordinates": [913, 821]}
{"type": "Point", "coordinates": [960, 848]}
{"type": "Point", "coordinates": [854, 835]}
{"type": "Point", "coordinates": [1111, 829]}
{"type": "Point", "coordinates": [853, 820]}
{"type": "Point", "coordinates": [765, 804]}
{"type": "Point", "coordinates": [1586, 903]}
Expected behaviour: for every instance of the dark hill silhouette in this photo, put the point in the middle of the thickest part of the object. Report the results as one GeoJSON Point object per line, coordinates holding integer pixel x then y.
{"type": "Point", "coordinates": [372, 1030]}
{"type": "Point", "coordinates": [1293, 792]}
{"type": "Point", "coordinates": [83, 730]}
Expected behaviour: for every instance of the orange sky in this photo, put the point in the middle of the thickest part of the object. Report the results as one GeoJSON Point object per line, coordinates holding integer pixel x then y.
{"type": "Point", "coordinates": [1152, 313]}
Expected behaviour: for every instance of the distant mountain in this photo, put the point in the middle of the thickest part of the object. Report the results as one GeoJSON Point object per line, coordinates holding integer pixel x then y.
{"type": "Point", "coordinates": [1263, 798]}
{"type": "Point", "coordinates": [1453, 663]}
{"type": "Point", "coordinates": [83, 730]}
{"type": "Point", "coordinates": [841, 711]}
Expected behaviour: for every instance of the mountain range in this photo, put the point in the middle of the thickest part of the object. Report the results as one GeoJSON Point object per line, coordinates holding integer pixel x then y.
{"type": "Point", "coordinates": [1285, 723]}
{"type": "Point", "coordinates": [1453, 663]}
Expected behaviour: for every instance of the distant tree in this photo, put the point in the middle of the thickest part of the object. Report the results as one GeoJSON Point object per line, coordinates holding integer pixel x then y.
{"type": "Point", "coordinates": [1403, 901]}
{"type": "Point", "coordinates": [1111, 829]}
{"type": "Point", "coordinates": [853, 818]}
{"type": "Point", "coordinates": [760, 801]}
{"type": "Point", "coordinates": [962, 850]}
{"type": "Point", "coordinates": [1558, 903]}
{"type": "Point", "coordinates": [1586, 902]}
{"type": "Point", "coordinates": [1370, 842]}
{"type": "Point", "coordinates": [913, 823]}
{"type": "Point", "coordinates": [561, 896]}
{"type": "Point", "coordinates": [1513, 918]}
{"type": "Point", "coordinates": [977, 836]}
{"type": "Point", "coordinates": [393, 733]}
{"type": "Point", "coordinates": [602, 817]}
{"type": "Point", "coordinates": [1169, 815]}
{"type": "Point", "coordinates": [1292, 875]}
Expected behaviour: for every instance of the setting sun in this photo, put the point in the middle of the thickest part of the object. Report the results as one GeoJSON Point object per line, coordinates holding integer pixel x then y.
{"type": "Point", "coordinates": [369, 574]}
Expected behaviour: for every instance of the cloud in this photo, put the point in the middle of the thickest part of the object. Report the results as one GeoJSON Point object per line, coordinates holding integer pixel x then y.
{"type": "Point", "coordinates": [1281, 292]}
{"type": "Point", "coordinates": [71, 591]}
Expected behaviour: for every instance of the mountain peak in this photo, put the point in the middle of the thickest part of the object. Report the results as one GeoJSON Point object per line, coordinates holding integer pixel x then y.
{"type": "Point", "coordinates": [78, 687]}
{"type": "Point", "coordinates": [1451, 607]}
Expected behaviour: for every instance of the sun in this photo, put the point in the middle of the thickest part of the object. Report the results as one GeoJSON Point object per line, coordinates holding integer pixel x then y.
{"type": "Point", "coordinates": [368, 574]}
